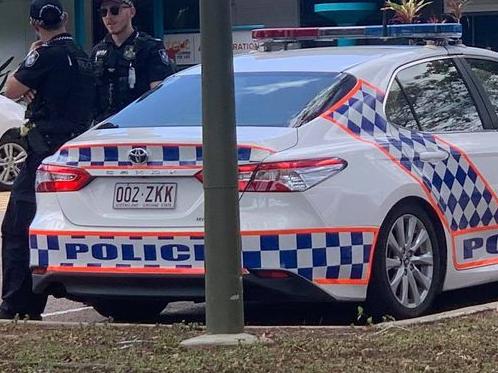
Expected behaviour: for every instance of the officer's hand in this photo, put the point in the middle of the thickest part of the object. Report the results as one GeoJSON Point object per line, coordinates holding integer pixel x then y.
{"type": "Point", "coordinates": [29, 96]}
{"type": "Point", "coordinates": [23, 131]}
{"type": "Point", "coordinates": [37, 44]}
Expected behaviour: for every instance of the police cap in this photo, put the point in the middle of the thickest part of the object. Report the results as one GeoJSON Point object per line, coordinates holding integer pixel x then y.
{"type": "Point", "coordinates": [119, 2]}
{"type": "Point", "coordinates": [49, 12]}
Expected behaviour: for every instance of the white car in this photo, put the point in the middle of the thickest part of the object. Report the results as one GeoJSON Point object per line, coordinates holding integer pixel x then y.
{"type": "Point", "coordinates": [366, 173]}
{"type": "Point", "coordinates": [12, 150]}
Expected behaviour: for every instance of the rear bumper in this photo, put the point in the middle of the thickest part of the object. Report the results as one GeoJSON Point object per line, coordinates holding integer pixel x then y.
{"type": "Point", "coordinates": [85, 287]}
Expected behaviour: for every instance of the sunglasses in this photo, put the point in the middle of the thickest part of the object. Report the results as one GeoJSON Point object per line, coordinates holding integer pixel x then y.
{"type": "Point", "coordinates": [113, 10]}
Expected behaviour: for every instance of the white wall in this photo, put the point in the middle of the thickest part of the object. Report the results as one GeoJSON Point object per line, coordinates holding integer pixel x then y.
{"type": "Point", "coordinates": [16, 34]}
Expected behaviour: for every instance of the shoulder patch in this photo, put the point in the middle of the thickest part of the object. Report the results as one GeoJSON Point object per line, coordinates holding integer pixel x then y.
{"type": "Point", "coordinates": [164, 56]}
{"type": "Point", "coordinates": [129, 53]}
{"type": "Point", "coordinates": [31, 58]}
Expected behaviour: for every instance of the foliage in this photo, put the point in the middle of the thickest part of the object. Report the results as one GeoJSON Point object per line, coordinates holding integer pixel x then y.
{"type": "Point", "coordinates": [456, 8]}
{"type": "Point", "coordinates": [435, 19]}
{"type": "Point", "coordinates": [464, 344]}
{"type": "Point", "coordinates": [4, 74]}
{"type": "Point", "coordinates": [408, 11]}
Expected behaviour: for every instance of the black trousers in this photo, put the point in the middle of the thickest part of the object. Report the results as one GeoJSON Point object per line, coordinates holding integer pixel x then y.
{"type": "Point", "coordinates": [17, 294]}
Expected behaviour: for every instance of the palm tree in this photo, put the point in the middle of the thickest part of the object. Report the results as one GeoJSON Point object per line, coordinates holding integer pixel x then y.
{"type": "Point", "coordinates": [408, 11]}
{"type": "Point", "coordinates": [4, 74]}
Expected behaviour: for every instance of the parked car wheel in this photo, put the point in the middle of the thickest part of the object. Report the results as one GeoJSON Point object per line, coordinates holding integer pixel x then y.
{"type": "Point", "coordinates": [126, 310]}
{"type": "Point", "coordinates": [407, 271]}
{"type": "Point", "coordinates": [12, 156]}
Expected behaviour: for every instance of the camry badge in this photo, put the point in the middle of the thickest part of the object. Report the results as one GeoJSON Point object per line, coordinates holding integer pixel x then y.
{"type": "Point", "coordinates": [138, 155]}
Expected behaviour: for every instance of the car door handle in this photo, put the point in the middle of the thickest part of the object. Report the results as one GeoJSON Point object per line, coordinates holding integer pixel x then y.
{"type": "Point", "coordinates": [435, 156]}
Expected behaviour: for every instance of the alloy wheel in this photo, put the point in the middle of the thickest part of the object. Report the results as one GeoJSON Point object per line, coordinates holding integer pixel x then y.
{"type": "Point", "coordinates": [409, 261]}
{"type": "Point", "coordinates": [12, 157]}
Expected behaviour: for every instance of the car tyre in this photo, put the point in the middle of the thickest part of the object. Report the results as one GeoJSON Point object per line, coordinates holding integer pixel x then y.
{"type": "Point", "coordinates": [12, 156]}
{"type": "Point", "coordinates": [407, 271]}
{"type": "Point", "coordinates": [122, 310]}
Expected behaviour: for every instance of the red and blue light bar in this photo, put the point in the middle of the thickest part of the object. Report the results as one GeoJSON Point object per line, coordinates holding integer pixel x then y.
{"type": "Point", "coordinates": [407, 31]}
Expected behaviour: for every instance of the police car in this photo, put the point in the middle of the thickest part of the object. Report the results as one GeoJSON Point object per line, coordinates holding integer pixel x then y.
{"type": "Point", "coordinates": [365, 173]}
{"type": "Point", "coordinates": [12, 149]}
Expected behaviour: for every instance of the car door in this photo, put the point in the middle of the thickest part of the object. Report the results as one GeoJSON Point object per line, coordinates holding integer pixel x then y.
{"type": "Point", "coordinates": [437, 105]}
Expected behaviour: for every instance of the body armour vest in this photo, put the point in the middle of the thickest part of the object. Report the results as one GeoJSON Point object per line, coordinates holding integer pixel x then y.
{"type": "Point", "coordinates": [121, 72]}
{"type": "Point", "coordinates": [63, 104]}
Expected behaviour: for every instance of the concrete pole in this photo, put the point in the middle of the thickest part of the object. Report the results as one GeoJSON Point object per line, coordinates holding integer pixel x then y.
{"type": "Point", "coordinates": [224, 301]}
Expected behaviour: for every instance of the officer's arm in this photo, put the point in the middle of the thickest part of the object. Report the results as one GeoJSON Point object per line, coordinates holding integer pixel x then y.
{"type": "Point", "coordinates": [31, 73]}
{"type": "Point", "coordinates": [159, 66]}
{"type": "Point", "coordinates": [154, 84]}
{"type": "Point", "coordinates": [15, 89]}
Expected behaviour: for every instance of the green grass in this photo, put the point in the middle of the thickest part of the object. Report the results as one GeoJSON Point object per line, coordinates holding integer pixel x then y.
{"type": "Point", "coordinates": [467, 344]}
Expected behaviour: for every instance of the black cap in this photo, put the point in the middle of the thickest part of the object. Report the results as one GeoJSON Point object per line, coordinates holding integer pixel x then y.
{"type": "Point", "coordinates": [49, 12]}
{"type": "Point", "coordinates": [127, 2]}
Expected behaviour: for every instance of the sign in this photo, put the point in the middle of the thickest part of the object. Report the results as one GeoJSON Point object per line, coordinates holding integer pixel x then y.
{"type": "Point", "coordinates": [185, 49]}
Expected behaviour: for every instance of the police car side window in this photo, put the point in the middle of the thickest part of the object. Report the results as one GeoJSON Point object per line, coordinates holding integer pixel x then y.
{"type": "Point", "coordinates": [439, 97]}
{"type": "Point", "coordinates": [487, 73]}
{"type": "Point", "coordinates": [398, 110]}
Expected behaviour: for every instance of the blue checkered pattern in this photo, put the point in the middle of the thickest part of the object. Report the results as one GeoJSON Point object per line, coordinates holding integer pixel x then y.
{"type": "Point", "coordinates": [330, 255]}
{"type": "Point", "coordinates": [460, 193]}
{"type": "Point", "coordinates": [159, 155]}
{"type": "Point", "coordinates": [324, 255]}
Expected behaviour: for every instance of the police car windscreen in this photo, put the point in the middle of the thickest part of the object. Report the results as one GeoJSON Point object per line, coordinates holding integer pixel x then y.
{"type": "Point", "coordinates": [266, 99]}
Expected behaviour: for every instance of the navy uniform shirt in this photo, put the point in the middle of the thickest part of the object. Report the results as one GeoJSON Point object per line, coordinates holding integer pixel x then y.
{"type": "Point", "coordinates": [62, 76]}
{"type": "Point", "coordinates": [125, 73]}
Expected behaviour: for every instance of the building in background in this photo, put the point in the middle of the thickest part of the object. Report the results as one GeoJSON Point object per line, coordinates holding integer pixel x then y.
{"type": "Point", "coordinates": [177, 22]}
{"type": "Point", "coordinates": [481, 18]}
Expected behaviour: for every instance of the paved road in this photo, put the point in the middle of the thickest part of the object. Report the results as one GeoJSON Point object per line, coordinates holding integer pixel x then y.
{"type": "Point", "coordinates": [65, 310]}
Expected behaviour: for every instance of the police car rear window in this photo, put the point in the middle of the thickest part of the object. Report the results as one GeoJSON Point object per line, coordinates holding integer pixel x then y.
{"type": "Point", "coordinates": [279, 99]}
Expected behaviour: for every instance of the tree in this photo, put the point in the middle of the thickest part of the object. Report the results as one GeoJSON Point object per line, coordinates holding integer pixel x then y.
{"type": "Point", "coordinates": [456, 8]}
{"type": "Point", "coordinates": [408, 11]}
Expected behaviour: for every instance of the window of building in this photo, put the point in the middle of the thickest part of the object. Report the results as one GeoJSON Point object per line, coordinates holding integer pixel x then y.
{"type": "Point", "coordinates": [481, 31]}
{"type": "Point", "coordinates": [181, 15]}
{"type": "Point", "coordinates": [439, 98]}
{"type": "Point", "coordinates": [487, 73]}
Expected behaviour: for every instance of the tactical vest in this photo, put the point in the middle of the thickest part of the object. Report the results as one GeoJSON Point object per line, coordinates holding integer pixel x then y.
{"type": "Point", "coordinates": [115, 70]}
{"type": "Point", "coordinates": [72, 116]}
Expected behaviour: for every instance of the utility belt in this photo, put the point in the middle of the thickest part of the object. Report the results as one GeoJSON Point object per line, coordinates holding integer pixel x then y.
{"type": "Point", "coordinates": [42, 143]}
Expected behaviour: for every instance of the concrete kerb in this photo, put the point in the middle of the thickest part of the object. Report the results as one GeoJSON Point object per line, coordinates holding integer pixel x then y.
{"type": "Point", "coordinates": [493, 306]}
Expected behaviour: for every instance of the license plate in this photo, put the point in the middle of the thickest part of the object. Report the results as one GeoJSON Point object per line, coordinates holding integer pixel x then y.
{"type": "Point", "coordinates": [144, 195]}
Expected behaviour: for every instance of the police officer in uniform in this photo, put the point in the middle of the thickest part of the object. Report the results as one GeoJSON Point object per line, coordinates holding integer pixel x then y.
{"type": "Point", "coordinates": [57, 79]}
{"type": "Point", "coordinates": [127, 63]}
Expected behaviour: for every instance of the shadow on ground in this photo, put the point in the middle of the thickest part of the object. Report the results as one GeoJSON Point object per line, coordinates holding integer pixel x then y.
{"type": "Point", "coordinates": [323, 314]}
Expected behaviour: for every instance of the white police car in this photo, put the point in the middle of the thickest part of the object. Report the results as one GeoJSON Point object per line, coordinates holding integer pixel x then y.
{"type": "Point", "coordinates": [12, 149]}
{"type": "Point", "coordinates": [366, 172]}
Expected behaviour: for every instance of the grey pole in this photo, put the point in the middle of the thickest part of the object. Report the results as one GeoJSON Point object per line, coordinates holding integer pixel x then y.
{"type": "Point", "coordinates": [224, 302]}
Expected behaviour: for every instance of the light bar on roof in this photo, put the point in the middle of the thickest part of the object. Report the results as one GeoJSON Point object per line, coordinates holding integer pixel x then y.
{"type": "Point", "coordinates": [408, 31]}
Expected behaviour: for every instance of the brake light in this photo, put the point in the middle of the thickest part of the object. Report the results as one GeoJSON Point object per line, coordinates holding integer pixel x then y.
{"type": "Point", "coordinates": [286, 176]}
{"type": "Point", "coordinates": [50, 178]}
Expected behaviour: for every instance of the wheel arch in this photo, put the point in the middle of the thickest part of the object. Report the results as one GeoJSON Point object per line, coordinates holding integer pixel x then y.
{"type": "Point", "coordinates": [438, 226]}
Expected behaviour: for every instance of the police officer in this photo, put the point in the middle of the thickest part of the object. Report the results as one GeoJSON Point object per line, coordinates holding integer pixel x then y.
{"type": "Point", "coordinates": [127, 63]}
{"type": "Point", "coordinates": [57, 78]}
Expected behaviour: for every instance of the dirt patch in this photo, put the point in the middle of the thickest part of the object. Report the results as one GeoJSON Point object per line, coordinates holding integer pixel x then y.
{"type": "Point", "coordinates": [467, 344]}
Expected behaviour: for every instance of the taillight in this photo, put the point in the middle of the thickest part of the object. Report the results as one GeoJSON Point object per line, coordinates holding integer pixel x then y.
{"type": "Point", "coordinates": [50, 178]}
{"type": "Point", "coordinates": [286, 176]}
